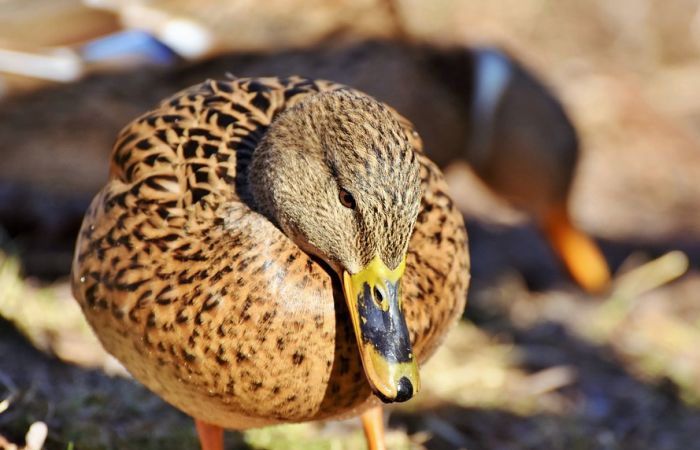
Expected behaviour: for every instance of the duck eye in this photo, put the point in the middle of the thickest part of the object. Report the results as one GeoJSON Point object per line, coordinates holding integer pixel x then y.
{"type": "Point", "coordinates": [346, 199]}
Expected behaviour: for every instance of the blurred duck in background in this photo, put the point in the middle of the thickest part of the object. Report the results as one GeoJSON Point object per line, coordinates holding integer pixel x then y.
{"type": "Point", "coordinates": [474, 105]}
{"type": "Point", "coordinates": [523, 145]}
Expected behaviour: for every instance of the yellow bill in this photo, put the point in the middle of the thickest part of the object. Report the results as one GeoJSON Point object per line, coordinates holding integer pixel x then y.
{"type": "Point", "coordinates": [373, 296]}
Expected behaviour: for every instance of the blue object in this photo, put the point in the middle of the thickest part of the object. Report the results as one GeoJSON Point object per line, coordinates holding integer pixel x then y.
{"type": "Point", "coordinates": [136, 44]}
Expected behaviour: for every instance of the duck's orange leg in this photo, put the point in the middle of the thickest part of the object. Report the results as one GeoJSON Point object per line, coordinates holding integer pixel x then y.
{"type": "Point", "coordinates": [580, 254]}
{"type": "Point", "coordinates": [373, 424]}
{"type": "Point", "coordinates": [211, 437]}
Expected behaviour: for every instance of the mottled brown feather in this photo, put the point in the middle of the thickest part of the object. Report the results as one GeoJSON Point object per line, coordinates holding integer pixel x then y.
{"type": "Point", "coordinates": [206, 301]}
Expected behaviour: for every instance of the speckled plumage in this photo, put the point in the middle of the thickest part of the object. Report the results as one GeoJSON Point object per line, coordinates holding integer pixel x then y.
{"type": "Point", "coordinates": [212, 306]}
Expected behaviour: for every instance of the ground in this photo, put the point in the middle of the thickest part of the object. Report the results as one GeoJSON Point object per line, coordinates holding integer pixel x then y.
{"type": "Point", "coordinates": [524, 370]}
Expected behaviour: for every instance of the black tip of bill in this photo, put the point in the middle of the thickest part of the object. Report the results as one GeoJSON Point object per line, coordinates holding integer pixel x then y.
{"type": "Point", "coordinates": [404, 392]}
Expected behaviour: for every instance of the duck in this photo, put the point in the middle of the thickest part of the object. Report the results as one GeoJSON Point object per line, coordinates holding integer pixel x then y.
{"type": "Point", "coordinates": [525, 147]}
{"type": "Point", "coordinates": [272, 250]}
{"type": "Point", "coordinates": [519, 139]}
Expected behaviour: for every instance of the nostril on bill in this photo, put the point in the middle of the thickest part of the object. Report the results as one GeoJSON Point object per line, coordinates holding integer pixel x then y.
{"type": "Point", "coordinates": [378, 295]}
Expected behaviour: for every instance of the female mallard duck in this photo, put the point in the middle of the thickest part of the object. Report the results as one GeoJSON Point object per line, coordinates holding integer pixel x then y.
{"type": "Point", "coordinates": [237, 216]}
{"type": "Point", "coordinates": [525, 147]}
{"type": "Point", "coordinates": [521, 143]}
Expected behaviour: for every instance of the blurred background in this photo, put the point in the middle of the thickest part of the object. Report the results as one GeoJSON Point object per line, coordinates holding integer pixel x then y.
{"type": "Point", "coordinates": [536, 363]}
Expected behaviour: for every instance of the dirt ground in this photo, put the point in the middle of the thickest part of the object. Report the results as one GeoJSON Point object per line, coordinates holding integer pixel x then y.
{"type": "Point", "coordinates": [536, 363]}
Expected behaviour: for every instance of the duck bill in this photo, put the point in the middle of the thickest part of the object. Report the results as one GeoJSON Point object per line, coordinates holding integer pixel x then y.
{"type": "Point", "coordinates": [373, 296]}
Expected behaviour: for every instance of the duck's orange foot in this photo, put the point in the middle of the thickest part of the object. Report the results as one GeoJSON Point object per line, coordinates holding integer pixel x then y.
{"type": "Point", "coordinates": [581, 256]}
{"type": "Point", "coordinates": [373, 424]}
{"type": "Point", "coordinates": [211, 437]}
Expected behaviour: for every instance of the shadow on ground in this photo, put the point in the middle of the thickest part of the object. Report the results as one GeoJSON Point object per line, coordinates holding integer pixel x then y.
{"type": "Point", "coordinates": [608, 407]}
{"type": "Point", "coordinates": [84, 407]}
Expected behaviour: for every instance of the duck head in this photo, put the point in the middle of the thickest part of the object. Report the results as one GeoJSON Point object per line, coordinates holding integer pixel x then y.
{"type": "Point", "coordinates": [338, 175]}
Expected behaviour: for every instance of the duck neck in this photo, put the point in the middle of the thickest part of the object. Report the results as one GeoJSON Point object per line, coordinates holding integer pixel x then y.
{"type": "Point", "coordinates": [261, 172]}
{"type": "Point", "coordinates": [280, 165]}
{"type": "Point", "coordinates": [272, 174]}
